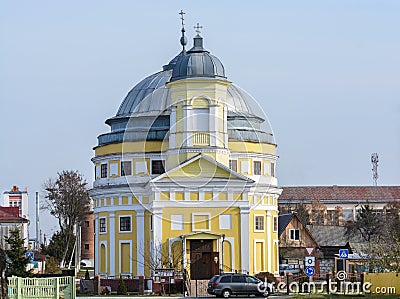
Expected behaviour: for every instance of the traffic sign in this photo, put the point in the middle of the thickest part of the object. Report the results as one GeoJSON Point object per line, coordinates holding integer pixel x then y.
{"type": "Point", "coordinates": [310, 250]}
{"type": "Point", "coordinates": [343, 253]}
{"type": "Point", "coordinates": [29, 255]}
{"type": "Point", "coordinates": [309, 261]}
{"type": "Point", "coordinates": [310, 271]}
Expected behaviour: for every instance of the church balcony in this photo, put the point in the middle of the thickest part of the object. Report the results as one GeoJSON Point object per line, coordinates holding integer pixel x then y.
{"type": "Point", "coordinates": [201, 138]}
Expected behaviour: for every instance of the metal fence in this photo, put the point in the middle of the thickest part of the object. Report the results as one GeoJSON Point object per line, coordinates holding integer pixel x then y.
{"type": "Point", "coordinates": [44, 288]}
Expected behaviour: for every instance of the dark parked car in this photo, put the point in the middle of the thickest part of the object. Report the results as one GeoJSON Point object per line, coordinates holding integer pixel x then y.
{"type": "Point", "coordinates": [228, 284]}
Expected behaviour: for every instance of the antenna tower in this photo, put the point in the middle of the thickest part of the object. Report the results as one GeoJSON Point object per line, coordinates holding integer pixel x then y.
{"type": "Point", "coordinates": [374, 161]}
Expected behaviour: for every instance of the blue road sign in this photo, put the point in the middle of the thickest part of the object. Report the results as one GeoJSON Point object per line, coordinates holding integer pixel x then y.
{"type": "Point", "coordinates": [343, 253]}
{"type": "Point", "coordinates": [29, 255]}
{"type": "Point", "coordinates": [310, 271]}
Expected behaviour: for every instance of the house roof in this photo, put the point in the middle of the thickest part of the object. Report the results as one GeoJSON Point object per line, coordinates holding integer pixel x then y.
{"type": "Point", "coordinates": [330, 235]}
{"type": "Point", "coordinates": [11, 215]}
{"type": "Point", "coordinates": [283, 221]}
{"type": "Point", "coordinates": [341, 193]}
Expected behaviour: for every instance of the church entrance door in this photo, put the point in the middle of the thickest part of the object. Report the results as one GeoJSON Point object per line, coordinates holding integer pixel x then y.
{"type": "Point", "coordinates": [203, 261]}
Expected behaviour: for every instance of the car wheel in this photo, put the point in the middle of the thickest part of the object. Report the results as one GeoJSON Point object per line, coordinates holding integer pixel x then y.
{"type": "Point", "coordinates": [226, 293]}
{"type": "Point", "coordinates": [265, 294]}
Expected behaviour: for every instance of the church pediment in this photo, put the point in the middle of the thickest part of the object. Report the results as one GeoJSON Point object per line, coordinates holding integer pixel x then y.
{"type": "Point", "coordinates": [201, 167]}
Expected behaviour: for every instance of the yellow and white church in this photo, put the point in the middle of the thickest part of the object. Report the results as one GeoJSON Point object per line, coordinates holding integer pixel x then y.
{"type": "Point", "coordinates": [186, 178]}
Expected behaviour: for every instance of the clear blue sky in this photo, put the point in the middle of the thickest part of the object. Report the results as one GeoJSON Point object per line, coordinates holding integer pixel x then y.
{"type": "Point", "coordinates": [327, 74]}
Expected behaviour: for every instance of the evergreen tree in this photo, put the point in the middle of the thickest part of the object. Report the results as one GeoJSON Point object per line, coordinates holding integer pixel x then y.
{"type": "Point", "coordinates": [16, 262]}
{"type": "Point", "coordinates": [121, 287]}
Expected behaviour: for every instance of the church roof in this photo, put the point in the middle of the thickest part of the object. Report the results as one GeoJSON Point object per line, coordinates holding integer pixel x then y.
{"type": "Point", "coordinates": [198, 62]}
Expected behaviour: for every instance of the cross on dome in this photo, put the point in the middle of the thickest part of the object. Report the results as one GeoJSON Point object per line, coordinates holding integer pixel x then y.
{"type": "Point", "coordinates": [182, 13]}
{"type": "Point", "coordinates": [197, 28]}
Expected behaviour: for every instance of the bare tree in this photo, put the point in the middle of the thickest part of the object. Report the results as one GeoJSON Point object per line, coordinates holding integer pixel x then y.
{"type": "Point", "coordinates": [367, 224]}
{"type": "Point", "coordinates": [318, 212]}
{"type": "Point", "coordinates": [160, 257]}
{"type": "Point", "coordinates": [67, 199]}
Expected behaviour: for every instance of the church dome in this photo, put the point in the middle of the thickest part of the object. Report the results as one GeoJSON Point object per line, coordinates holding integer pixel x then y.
{"type": "Point", "coordinates": [198, 62]}
{"type": "Point", "coordinates": [147, 104]}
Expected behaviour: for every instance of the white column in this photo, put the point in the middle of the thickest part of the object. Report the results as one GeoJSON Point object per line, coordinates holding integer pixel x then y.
{"type": "Point", "coordinates": [96, 244]}
{"type": "Point", "coordinates": [244, 238]}
{"type": "Point", "coordinates": [268, 230]}
{"type": "Point", "coordinates": [172, 131]}
{"type": "Point", "coordinates": [184, 253]}
{"type": "Point", "coordinates": [112, 244]}
{"type": "Point", "coordinates": [140, 241]}
{"type": "Point", "coordinates": [225, 126]}
{"type": "Point", "coordinates": [157, 230]}
{"type": "Point", "coordinates": [213, 125]}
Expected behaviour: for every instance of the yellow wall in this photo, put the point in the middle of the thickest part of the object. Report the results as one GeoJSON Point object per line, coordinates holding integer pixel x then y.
{"type": "Point", "coordinates": [383, 283]}
{"type": "Point", "coordinates": [131, 147]}
{"type": "Point", "coordinates": [270, 254]}
{"type": "Point", "coordinates": [213, 225]}
{"type": "Point", "coordinates": [121, 236]}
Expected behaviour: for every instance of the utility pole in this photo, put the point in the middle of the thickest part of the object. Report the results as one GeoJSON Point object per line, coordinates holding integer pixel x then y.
{"type": "Point", "coordinates": [37, 223]}
{"type": "Point", "coordinates": [374, 161]}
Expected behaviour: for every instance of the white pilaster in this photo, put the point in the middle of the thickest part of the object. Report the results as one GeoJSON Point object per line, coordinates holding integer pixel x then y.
{"type": "Point", "coordinates": [140, 241]}
{"type": "Point", "coordinates": [96, 244]}
{"type": "Point", "coordinates": [213, 125]}
{"type": "Point", "coordinates": [268, 229]}
{"type": "Point", "coordinates": [187, 125]}
{"type": "Point", "coordinates": [225, 126]}
{"type": "Point", "coordinates": [172, 132]}
{"type": "Point", "coordinates": [244, 238]}
{"type": "Point", "coordinates": [112, 244]}
{"type": "Point", "coordinates": [157, 230]}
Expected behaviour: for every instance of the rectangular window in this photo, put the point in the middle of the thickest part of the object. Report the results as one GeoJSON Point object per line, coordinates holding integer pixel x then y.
{"type": "Point", "coordinates": [259, 223]}
{"type": "Point", "coordinates": [103, 171]}
{"type": "Point", "coordinates": [141, 167]}
{"type": "Point", "coordinates": [86, 224]}
{"type": "Point", "coordinates": [200, 120]}
{"type": "Point", "coordinates": [272, 169]}
{"type": "Point", "coordinates": [257, 167]}
{"type": "Point", "coordinates": [157, 167]}
{"type": "Point", "coordinates": [126, 168]}
{"type": "Point", "coordinates": [275, 224]}
{"type": "Point", "coordinates": [245, 167]}
{"type": "Point", "coordinates": [233, 165]}
{"type": "Point", "coordinates": [225, 221]}
{"type": "Point", "coordinates": [294, 234]}
{"type": "Point", "coordinates": [103, 227]}
{"type": "Point", "coordinates": [125, 224]}
{"type": "Point", "coordinates": [86, 246]}
{"type": "Point", "coordinates": [113, 169]}
{"type": "Point", "coordinates": [177, 222]}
